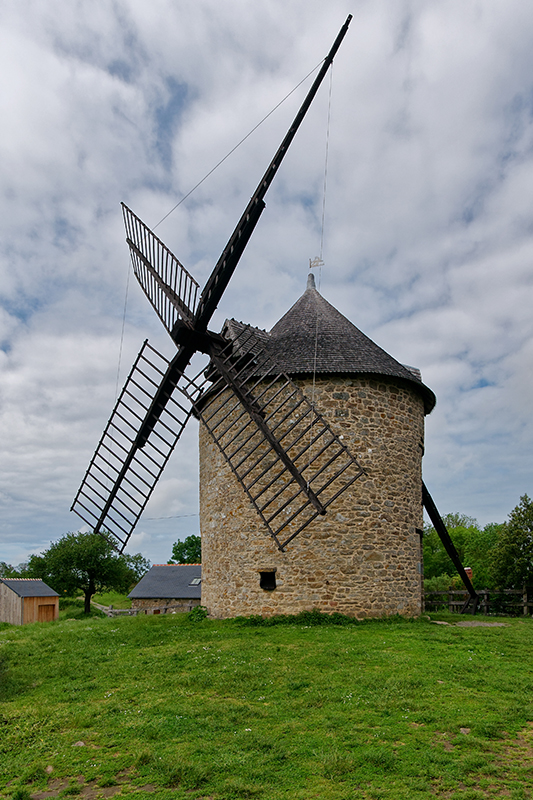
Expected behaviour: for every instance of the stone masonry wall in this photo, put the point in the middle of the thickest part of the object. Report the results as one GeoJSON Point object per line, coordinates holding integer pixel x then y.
{"type": "Point", "coordinates": [363, 557]}
{"type": "Point", "coordinates": [180, 604]}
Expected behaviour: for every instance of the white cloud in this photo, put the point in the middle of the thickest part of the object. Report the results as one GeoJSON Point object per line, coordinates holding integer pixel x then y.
{"type": "Point", "coordinates": [428, 239]}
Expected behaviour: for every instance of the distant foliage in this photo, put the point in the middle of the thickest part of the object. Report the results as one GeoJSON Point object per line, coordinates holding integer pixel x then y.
{"type": "Point", "coordinates": [137, 566]}
{"type": "Point", "coordinates": [442, 583]}
{"type": "Point", "coordinates": [86, 563]}
{"type": "Point", "coordinates": [6, 570]}
{"type": "Point", "coordinates": [9, 571]}
{"type": "Point", "coordinates": [512, 557]}
{"type": "Point", "coordinates": [187, 552]}
{"type": "Point", "coordinates": [474, 546]}
{"type": "Point", "coordinates": [500, 554]}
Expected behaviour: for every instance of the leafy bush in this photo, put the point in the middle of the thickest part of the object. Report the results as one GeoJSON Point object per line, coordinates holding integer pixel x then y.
{"type": "Point", "coordinates": [442, 583]}
{"type": "Point", "coordinates": [197, 614]}
{"type": "Point", "coordinates": [309, 618]}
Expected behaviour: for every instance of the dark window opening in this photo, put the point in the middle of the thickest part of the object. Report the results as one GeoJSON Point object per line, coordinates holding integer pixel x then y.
{"type": "Point", "coordinates": [267, 581]}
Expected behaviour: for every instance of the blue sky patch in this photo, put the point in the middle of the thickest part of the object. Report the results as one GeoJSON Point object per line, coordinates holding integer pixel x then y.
{"type": "Point", "coordinates": [167, 116]}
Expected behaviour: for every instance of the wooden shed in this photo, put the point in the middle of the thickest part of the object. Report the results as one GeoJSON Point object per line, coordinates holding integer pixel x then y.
{"type": "Point", "coordinates": [24, 600]}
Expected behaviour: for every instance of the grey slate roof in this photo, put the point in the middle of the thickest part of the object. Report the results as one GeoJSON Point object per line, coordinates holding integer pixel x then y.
{"type": "Point", "coordinates": [29, 587]}
{"type": "Point", "coordinates": [341, 348]}
{"type": "Point", "coordinates": [168, 581]}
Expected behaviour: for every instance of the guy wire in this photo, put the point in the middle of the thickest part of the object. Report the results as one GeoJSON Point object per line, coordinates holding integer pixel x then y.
{"type": "Point", "coordinates": [235, 147]}
{"type": "Point", "coordinates": [122, 332]}
{"type": "Point", "coordinates": [318, 262]}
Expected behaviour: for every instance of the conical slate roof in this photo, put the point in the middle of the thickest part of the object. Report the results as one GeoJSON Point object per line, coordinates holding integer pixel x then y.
{"type": "Point", "coordinates": [313, 337]}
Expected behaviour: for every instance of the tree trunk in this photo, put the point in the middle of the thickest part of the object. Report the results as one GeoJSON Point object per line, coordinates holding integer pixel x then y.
{"type": "Point", "coordinates": [89, 591]}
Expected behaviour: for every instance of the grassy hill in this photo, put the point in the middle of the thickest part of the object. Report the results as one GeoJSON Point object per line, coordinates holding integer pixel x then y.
{"type": "Point", "coordinates": [165, 707]}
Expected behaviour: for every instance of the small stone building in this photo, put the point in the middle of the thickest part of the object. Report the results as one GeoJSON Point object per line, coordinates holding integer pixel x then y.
{"type": "Point", "coordinates": [165, 585]}
{"type": "Point", "coordinates": [363, 557]}
{"type": "Point", "coordinates": [24, 600]}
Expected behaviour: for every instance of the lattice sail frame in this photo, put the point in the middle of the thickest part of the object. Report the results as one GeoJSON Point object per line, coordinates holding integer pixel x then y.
{"type": "Point", "coordinates": [115, 512]}
{"type": "Point", "coordinates": [322, 460]}
{"type": "Point", "coordinates": [169, 287]}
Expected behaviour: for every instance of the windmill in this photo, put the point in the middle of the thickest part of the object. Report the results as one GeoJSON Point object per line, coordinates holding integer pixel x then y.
{"type": "Point", "coordinates": [288, 460]}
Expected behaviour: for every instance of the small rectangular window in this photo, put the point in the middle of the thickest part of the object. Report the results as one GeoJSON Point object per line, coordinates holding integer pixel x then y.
{"type": "Point", "coordinates": [195, 582]}
{"type": "Point", "coordinates": [267, 581]}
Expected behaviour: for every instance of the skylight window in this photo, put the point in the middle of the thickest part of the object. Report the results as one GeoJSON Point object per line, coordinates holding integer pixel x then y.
{"type": "Point", "coordinates": [195, 582]}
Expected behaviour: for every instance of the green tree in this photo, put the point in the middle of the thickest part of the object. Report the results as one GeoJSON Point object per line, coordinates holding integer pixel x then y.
{"type": "Point", "coordinates": [512, 558]}
{"type": "Point", "coordinates": [137, 566]}
{"type": "Point", "coordinates": [85, 562]}
{"type": "Point", "coordinates": [473, 544]}
{"type": "Point", "coordinates": [436, 560]}
{"type": "Point", "coordinates": [478, 550]}
{"type": "Point", "coordinates": [187, 552]}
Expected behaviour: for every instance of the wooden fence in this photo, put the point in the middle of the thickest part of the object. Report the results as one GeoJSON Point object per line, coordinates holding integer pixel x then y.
{"type": "Point", "coordinates": [506, 602]}
{"type": "Point", "coordinates": [134, 612]}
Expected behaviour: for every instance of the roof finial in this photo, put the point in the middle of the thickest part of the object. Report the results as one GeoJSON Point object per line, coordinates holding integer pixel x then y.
{"type": "Point", "coordinates": [315, 262]}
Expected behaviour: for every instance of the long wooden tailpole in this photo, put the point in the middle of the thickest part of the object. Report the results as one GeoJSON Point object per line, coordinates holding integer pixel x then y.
{"type": "Point", "coordinates": [449, 546]}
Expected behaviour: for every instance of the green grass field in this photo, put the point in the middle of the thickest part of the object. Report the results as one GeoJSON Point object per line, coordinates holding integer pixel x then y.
{"type": "Point", "coordinates": [165, 707]}
{"type": "Point", "coordinates": [113, 599]}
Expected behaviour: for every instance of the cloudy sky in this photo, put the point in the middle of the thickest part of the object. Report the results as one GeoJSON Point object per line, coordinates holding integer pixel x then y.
{"type": "Point", "coordinates": [428, 239]}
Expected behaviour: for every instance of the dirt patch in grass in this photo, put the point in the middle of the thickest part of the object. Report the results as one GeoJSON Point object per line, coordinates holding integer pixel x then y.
{"type": "Point", "coordinates": [519, 751]}
{"type": "Point", "coordinates": [90, 790]}
{"type": "Point", "coordinates": [513, 760]}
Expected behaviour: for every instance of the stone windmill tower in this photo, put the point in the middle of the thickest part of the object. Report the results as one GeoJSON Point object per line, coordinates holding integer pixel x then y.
{"type": "Point", "coordinates": [364, 557]}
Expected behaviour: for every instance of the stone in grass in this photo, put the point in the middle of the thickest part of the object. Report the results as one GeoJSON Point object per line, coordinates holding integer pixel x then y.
{"type": "Point", "coordinates": [79, 744]}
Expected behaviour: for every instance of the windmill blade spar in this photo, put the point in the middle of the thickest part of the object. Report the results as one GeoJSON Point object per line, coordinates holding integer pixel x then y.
{"type": "Point", "coordinates": [227, 263]}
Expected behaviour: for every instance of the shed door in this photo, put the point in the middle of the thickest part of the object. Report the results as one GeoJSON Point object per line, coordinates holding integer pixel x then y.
{"type": "Point", "coordinates": [45, 613]}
